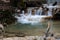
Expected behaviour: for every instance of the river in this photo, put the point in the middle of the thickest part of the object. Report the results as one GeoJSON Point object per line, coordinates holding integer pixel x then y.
{"type": "Point", "coordinates": [36, 29]}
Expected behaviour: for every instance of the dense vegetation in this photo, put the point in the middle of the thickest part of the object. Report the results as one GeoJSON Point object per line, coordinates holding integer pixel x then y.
{"type": "Point", "coordinates": [18, 3]}
{"type": "Point", "coordinates": [7, 17]}
{"type": "Point", "coordinates": [21, 4]}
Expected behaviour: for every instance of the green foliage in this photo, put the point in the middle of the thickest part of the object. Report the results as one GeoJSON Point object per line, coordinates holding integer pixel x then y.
{"type": "Point", "coordinates": [14, 3]}
{"type": "Point", "coordinates": [21, 4]}
{"type": "Point", "coordinates": [18, 3]}
{"type": "Point", "coordinates": [44, 1]}
{"type": "Point", "coordinates": [7, 17]}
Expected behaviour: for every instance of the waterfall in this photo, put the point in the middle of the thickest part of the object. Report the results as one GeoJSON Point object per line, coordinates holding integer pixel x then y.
{"type": "Point", "coordinates": [28, 18]}
{"type": "Point", "coordinates": [30, 11]}
{"type": "Point", "coordinates": [39, 11]}
{"type": "Point", "coordinates": [23, 12]}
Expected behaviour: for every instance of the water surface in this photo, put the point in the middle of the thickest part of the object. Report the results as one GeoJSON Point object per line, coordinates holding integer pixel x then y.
{"type": "Point", "coordinates": [36, 29]}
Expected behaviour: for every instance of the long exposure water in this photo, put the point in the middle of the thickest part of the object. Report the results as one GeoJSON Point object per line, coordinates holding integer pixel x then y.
{"type": "Point", "coordinates": [36, 29]}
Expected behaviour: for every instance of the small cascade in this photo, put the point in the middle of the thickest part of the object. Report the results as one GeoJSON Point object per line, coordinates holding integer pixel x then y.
{"type": "Point", "coordinates": [32, 17]}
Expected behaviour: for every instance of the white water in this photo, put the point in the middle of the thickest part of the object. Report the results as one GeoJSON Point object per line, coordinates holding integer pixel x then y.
{"type": "Point", "coordinates": [31, 19]}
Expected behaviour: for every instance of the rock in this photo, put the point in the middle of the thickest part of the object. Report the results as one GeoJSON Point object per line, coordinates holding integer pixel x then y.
{"type": "Point", "coordinates": [20, 35]}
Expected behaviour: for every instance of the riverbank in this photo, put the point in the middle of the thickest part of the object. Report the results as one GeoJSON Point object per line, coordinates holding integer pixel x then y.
{"type": "Point", "coordinates": [26, 38]}
{"type": "Point", "coordinates": [22, 36]}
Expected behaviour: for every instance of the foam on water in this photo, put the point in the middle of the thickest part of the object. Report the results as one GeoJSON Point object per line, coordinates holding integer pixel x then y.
{"type": "Point", "coordinates": [33, 19]}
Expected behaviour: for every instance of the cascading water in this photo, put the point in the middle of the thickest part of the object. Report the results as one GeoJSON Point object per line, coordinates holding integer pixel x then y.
{"type": "Point", "coordinates": [31, 19]}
